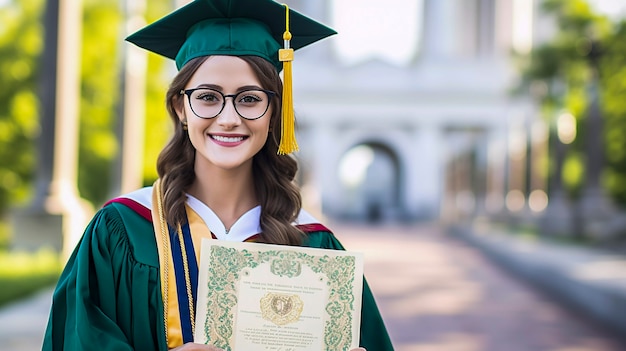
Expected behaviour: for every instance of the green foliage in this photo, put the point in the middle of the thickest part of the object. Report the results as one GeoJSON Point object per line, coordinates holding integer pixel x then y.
{"type": "Point", "coordinates": [564, 67]}
{"type": "Point", "coordinates": [23, 273]}
{"type": "Point", "coordinates": [573, 172]}
{"type": "Point", "coordinates": [613, 78]}
{"type": "Point", "coordinates": [5, 235]}
{"type": "Point", "coordinates": [20, 46]}
{"type": "Point", "coordinates": [158, 125]}
{"type": "Point", "coordinates": [575, 17]}
{"type": "Point", "coordinates": [100, 95]}
{"type": "Point", "coordinates": [160, 73]}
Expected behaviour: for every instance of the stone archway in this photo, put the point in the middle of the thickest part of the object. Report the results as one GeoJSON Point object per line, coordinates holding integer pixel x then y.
{"type": "Point", "coordinates": [370, 178]}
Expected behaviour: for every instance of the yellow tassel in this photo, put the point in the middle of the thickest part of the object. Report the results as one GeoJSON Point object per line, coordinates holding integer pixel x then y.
{"type": "Point", "coordinates": [288, 143]}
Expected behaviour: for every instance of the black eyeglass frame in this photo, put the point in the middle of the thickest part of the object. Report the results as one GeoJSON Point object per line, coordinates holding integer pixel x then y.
{"type": "Point", "coordinates": [270, 95]}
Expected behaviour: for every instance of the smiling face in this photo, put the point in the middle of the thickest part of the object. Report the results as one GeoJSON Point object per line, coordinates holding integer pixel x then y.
{"type": "Point", "coordinates": [226, 141]}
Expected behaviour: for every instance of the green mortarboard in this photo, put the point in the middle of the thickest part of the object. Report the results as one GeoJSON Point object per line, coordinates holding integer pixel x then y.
{"type": "Point", "coordinates": [228, 27]}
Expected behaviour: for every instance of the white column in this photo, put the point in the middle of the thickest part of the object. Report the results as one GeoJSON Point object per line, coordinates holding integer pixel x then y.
{"type": "Point", "coordinates": [496, 171]}
{"type": "Point", "coordinates": [324, 168]}
{"type": "Point", "coordinates": [503, 17]}
{"type": "Point", "coordinates": [486, 25]}
{"type": "Point", "coordinates": [424, 180]}
{"type": "Point", "coordinates": [308, 171]}
{"type": "Point", "coordinates": [438, 28]}
{"type": "Point", "coordinates": [538, 197]}
{"type": "Point", "coordinates": [322, 52]}
{"type": "Point", "coordinates": [64, 198]}
{"type": "Point", "coordinates": [313, 9]}
{"type": "Point", "coordinates": [135, 65]}
{"type": "Point", "coordinates": [517, 149]}
{"type": "Point", "coordinates": [465, 16]}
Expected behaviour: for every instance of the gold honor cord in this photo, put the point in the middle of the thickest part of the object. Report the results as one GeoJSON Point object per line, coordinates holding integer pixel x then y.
{"type": "Point", "coordinates": [187, 278]}
{"type": "Point", "coordinates": [165, 249]}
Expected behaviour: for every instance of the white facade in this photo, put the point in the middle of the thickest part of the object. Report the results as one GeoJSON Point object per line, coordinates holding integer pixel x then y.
{"type": "Point", "coordinates": [414, 116]}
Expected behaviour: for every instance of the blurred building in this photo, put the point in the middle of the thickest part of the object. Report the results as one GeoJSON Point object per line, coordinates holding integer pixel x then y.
{"type": "Point", "coordinates": [396, 112]}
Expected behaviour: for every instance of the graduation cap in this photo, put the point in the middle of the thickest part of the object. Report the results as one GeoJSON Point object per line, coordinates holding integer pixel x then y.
{"type": "Point", "coordinates": [261, 28]}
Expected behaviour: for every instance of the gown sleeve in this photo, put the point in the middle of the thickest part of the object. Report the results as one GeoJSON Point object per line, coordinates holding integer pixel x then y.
{"type": "Point", "coordinates": [105, 299]}
{"type": "Point", "coordinates": [374, 336]}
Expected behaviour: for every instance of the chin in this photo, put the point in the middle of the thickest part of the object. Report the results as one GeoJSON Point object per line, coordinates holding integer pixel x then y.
{"type": "Point", "coordinates": [231, 164]}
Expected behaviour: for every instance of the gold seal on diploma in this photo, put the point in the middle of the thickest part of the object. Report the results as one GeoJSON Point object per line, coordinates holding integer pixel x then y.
{"type": "Point", "coordinates": [281, 309]}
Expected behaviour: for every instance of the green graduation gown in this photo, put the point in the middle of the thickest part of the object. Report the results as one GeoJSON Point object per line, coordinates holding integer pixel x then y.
{"type": "Point", "coordinates": [109, 296]}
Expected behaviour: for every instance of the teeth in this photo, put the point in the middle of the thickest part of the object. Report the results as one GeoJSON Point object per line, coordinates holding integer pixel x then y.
{"type": "Point", "coordinates": [227, 139]}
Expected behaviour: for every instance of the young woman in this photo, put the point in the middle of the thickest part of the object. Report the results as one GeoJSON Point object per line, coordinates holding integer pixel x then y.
{"type": "Point", "coordinates": [130, 283]}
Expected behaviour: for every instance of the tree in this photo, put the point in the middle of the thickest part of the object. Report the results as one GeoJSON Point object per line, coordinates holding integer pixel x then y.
{"type": "Point", "coordinates": [20, 47]}
{"type": "Point", "coordinates": [613, 85]}
{"type": "Point", "coordinates": [564, 67]}
{"type": "Point", "coordinates": [100, 94]}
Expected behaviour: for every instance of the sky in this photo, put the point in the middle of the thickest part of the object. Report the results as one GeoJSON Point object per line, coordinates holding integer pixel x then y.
{"type": "Point", "coordinates": [388, 30]}
{"type": "Point", "coordinates": [613, 8]}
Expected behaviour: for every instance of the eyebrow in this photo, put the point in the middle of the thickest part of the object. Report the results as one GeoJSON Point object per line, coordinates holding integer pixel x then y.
{"type": "Point", "coordinates": [220, 88]}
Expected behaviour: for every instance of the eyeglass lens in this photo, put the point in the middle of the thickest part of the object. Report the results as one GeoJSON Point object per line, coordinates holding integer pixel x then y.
{"type": "Point", "coordinates": [249, 104]}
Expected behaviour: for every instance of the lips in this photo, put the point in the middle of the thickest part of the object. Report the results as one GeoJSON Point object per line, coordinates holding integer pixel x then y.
{"type": "Point", "coordinates": [228, 140]}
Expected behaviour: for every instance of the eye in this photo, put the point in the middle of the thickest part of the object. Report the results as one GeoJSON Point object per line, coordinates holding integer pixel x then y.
{"type": "Point", "coordinates": [208, 96]}
{"type": "Point", "coordinates": [249, 98]}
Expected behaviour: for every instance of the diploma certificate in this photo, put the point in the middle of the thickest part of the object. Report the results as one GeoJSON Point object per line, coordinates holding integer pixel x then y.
{"type": "Point", "coordinates": [273, 297]}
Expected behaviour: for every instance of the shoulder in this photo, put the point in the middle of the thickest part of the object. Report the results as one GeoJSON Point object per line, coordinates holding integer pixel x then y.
{"type": "Point", "coordinates": [126, 221]}
{"type": "Point", "coordinates": [139, 201]}
{"type": "Point", "coordinates": [317, 234]}
{"type": "Point", "coordinates": [309, 224]}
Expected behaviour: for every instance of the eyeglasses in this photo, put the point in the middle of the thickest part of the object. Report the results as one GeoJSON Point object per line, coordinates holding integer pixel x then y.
{"type": "Point", "coordinates": [249, 104]}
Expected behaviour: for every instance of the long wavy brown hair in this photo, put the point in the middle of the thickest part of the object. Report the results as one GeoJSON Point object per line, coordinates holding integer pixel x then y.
{"type": "Point", "coordinates": [274, 174]}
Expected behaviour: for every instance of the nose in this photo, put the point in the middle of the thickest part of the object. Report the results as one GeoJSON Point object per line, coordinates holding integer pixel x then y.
{"type": "Point", "coordinates": [228, 118]}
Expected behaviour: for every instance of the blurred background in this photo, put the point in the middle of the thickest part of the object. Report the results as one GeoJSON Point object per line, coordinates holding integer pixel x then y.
{"type": "Point", "coordinates": [459, 115]}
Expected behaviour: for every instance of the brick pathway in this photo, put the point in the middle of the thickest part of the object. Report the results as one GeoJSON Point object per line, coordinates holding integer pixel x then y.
{"type": "Point", "coordinates": [438, 294]}
{"type": "Point", "coordinates": [435, 293]}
